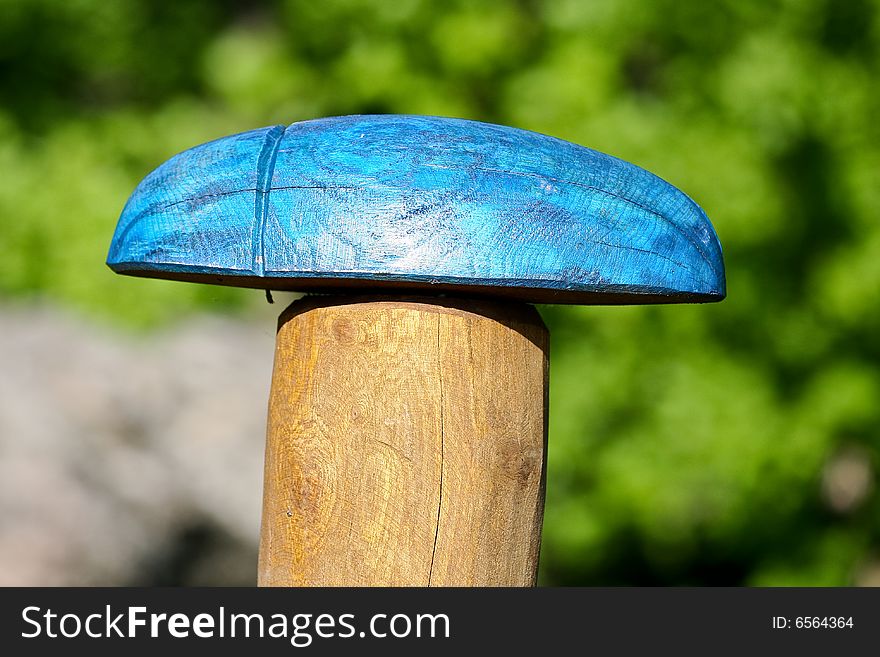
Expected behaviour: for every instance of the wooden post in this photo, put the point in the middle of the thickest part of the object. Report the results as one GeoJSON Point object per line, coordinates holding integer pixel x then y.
{"type": "Point", "coordinates": [405, 444]}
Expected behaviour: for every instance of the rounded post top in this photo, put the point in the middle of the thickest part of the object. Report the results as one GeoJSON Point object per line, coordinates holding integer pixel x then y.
{"type": "Point", "coordinates": [420, 204]}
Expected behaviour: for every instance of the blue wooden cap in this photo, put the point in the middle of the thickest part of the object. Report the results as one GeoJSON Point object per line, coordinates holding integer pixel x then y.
{"type": "Point", "coordinates": [421, 204]}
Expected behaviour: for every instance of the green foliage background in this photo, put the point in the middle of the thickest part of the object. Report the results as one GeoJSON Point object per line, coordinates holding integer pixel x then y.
{"type": "Point", "coordinates": [688, 444]}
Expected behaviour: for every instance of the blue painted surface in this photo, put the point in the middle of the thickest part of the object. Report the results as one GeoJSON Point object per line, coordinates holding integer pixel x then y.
{"type": "Point", "coordinates": [419, 202]}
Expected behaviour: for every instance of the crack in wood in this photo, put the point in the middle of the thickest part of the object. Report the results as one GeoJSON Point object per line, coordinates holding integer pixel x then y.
{"type": "Point", "coordinates": [440, 494]}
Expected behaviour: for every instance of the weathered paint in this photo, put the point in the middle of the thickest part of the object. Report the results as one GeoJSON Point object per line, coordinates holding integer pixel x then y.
{"type": "Point", "coordinates": [419, 202]}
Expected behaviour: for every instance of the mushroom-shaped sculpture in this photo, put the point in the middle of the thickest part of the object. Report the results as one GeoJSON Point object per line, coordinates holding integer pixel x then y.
{"type": "Point", "coordinates": [406, 431]}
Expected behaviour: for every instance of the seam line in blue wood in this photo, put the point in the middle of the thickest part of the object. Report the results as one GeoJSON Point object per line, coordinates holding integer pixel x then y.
{"type": "Point", "coordinates": [265, 170]}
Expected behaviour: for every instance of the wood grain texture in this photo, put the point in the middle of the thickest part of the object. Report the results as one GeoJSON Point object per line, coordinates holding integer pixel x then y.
{"type": "Point", "coordinates": [420, 203]}
{"type": "Point", "coordinates": [405, 444]}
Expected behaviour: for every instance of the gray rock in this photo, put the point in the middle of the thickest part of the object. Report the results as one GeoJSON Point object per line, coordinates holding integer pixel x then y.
{"type": "Point", "coordinates": [130, 459]}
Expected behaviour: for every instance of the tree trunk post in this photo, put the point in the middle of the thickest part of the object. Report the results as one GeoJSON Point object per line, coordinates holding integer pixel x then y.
{"type": "Point", "coordinates": [406, 444]}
